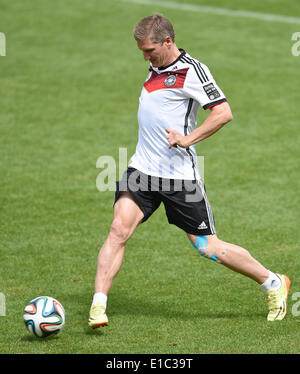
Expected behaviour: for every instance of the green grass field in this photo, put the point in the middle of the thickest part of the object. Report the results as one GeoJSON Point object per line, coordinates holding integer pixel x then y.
{"type": "Point", "coordinates": [69, 89]}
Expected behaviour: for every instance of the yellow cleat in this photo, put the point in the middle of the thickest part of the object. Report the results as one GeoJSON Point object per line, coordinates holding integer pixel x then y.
{"type": "Point", "coordinates": [278, 300]}
{"type": "Point", "coordinates": [98, 317]}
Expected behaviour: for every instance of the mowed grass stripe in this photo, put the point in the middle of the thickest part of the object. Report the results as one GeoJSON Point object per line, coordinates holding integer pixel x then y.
{"type": "Point", "coordinates": [218, 11]}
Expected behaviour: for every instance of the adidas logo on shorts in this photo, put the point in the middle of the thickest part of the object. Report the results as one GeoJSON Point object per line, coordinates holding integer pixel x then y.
{"type": "Point", "coordinates": [202, 226]}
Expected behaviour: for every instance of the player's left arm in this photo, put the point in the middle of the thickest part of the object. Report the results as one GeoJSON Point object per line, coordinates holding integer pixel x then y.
{"type": "Point", "coordinates": [219, 115]}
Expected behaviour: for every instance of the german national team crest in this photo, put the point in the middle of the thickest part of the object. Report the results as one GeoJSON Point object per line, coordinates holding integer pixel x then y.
{"type": "Point", "coordinates": [170, 80]}
{"type": "Point", "coordinates": [167, 80]}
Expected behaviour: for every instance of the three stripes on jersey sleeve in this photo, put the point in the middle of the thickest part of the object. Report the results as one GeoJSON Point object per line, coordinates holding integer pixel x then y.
{"type": "Point", "coordinates": [198, 68]}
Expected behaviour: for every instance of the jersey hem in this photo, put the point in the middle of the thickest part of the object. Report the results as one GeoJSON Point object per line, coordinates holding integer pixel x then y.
{"type": "Point", "coordinates": [210, 105]}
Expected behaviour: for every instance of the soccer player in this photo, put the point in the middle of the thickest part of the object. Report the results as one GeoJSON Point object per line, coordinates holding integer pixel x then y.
{"type": "Point", "coordinates": [164, 168]}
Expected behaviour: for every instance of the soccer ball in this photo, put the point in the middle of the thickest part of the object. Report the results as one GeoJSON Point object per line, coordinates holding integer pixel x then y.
{"type": "Point", "coordinates": [44, 316]}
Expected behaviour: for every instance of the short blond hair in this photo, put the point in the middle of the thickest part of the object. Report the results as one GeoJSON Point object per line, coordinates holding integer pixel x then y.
{"type": "Point", "coordinates": [157, 27]}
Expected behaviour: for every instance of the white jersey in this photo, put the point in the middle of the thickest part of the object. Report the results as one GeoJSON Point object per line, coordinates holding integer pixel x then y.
{"type": "Point", "coordinates": [170, 98]}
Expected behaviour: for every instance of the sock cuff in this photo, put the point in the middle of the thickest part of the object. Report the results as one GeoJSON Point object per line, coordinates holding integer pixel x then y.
{"type": "Point", "coordinates": [100, 297]}
{"type": "Point", "coordinates": [272, 283]}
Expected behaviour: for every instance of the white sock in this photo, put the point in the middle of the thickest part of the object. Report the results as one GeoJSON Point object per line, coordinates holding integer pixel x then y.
{"type": "Point", "coordinates": [99, 296]}
{"type": "Point", "coordinates": [272, 283]}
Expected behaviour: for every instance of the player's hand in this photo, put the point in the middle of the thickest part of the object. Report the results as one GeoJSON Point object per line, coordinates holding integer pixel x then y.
{"type": "Point", "coordinates": [176, 139]}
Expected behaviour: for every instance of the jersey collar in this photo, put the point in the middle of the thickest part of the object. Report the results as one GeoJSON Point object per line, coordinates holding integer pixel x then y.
{"type": "Point", "coordinates": [161, 68]}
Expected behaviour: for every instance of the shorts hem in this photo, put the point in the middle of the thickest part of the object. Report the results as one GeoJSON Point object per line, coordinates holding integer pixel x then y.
{"type": "Point", "coordinates": [194, 232]}
{"type": "Point", "coordinates": [117, 196]}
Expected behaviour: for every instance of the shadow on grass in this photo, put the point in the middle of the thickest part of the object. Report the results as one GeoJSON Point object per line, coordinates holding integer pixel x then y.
{"type": "Point", "coordinates": [122, 305]}
{"type": "Point", "coordinates": [185, 313]}
{"type": "Point", "coordinates": [94, 332]}
{"type": "Point", "coordinates": [32, 338]}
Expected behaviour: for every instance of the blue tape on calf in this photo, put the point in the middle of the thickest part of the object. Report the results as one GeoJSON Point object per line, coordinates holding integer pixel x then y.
{"type": "Point", "coordinates": [202, 247]}
{"type": "Point", "coordinates": [214, 258]}
{"type": "Point", "coordinates": [201, 242]}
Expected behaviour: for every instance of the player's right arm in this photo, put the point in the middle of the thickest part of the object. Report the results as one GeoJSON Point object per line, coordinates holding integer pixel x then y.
{"type": "Point", "coordinates": [219, 115]}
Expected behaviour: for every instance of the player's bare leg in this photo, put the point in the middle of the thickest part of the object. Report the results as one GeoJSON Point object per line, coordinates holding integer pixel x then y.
{"type": "Point", "coordinates": [234, 257]}
{"type": "Point", "coordinates": [127, 216]}
{"type": "Point", "coordinates": [239, 259]}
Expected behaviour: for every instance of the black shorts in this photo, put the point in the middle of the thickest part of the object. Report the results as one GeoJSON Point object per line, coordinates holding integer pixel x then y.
{"type": "Point", "coordinates": [185, 201]}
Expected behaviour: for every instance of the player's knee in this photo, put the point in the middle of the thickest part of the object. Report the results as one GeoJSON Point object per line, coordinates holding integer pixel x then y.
{"type": "Point", "coordinates": [119, 232]}
{"type": "Point", "coordinates": [205, 250]}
